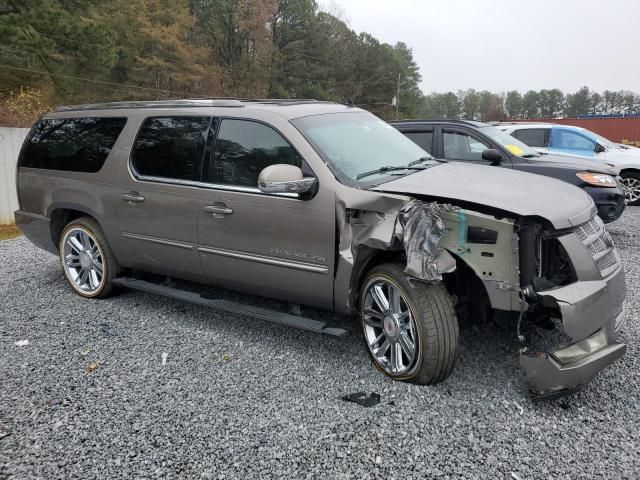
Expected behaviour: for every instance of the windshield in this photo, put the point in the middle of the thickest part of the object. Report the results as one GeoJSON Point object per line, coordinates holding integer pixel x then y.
{"type": "Point", "coordinates": [515, 146]}
{"type": "Point", "coordinates": [605, 142]}
{"type": "Point", "coordinates": [356, 143]}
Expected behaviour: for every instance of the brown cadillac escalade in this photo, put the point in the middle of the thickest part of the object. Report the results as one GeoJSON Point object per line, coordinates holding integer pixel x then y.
{"type": "Point", "coordinates": [325, 205]}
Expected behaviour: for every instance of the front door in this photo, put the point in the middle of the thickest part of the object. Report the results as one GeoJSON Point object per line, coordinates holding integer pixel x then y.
{"type": "Point", "coordinates": [157, 214]}
{"type": "Point", "coordinates": [567, 141]}
{"type": "Point", "coordinates": [463, 146]}
{"type": "Point", "coordinates": [277, 245]}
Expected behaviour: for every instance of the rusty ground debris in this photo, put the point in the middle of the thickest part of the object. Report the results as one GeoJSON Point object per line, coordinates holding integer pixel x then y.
{"type": "Point", "coordinates": [7, 232]}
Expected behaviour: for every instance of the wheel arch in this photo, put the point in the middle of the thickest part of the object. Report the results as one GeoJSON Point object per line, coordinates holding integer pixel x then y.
{"type": "Point", "coordinates": [61, 214]}
{"type": "Point", "coordinates": [464, 279]}
{"type": "Point", "coordinates": [366, 259]}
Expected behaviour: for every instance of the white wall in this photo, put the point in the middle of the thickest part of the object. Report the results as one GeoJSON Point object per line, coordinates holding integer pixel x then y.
{"type": "Point", "coordinates": [10, 143]}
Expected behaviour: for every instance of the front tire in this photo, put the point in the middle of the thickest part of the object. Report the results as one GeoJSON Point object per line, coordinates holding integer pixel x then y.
{"type": "Point", "coordinates": [631, 187]}
{"type": "Point", "coordinates": [410, 329]}
{"type": "Point", "coordinates": [87, 260]}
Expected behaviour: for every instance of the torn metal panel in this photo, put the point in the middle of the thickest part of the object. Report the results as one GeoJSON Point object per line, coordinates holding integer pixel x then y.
{"type": "Point", "coordinates": [429, 233]}
{"type": "Point", "coordinates": [495, 260]}
{"type": "Point", "coordinates": [365, 221]}
{"type": "Point", "coordinates": [422, 230]}
{"type": "Point", "coordinates": [586, 307]}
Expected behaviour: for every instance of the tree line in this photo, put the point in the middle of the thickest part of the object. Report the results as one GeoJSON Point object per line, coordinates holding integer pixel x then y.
{"type": "Point", "coordinates": [553, 103]}
{"type": "Point", "coordinates": [76, 51]}
{"type": "Point", "coordinates": [73, 51]}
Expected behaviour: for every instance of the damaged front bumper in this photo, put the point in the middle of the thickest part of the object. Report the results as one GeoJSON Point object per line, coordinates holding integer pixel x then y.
{"type": "Point", "coordinates": [592, 312]}
{"type": "Point", "coordinates": [548, 376]}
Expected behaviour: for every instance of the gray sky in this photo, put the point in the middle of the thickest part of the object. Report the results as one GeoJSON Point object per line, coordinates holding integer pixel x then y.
{"type": "Point", "coordinates": [501, 45]}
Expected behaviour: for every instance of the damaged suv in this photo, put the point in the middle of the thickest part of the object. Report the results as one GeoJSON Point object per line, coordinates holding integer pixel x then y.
{"type": "Point", "coordinates": [325, 205]}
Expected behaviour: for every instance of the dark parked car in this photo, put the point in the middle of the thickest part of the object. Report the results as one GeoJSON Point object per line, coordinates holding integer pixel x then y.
{"type": "Point", "coordinates": [484, 144]}
{"type": "Point", "coordinates": [324, 205]}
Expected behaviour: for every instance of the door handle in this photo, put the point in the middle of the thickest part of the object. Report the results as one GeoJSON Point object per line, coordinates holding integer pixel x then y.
{"type": "Point", "coordinates": [132, 197]}
{"type": "Point", "coordinates": [219, 210]}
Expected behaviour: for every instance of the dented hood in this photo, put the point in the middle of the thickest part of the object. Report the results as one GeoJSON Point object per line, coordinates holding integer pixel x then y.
{"type": "Point", "coordinates": [523, 194]}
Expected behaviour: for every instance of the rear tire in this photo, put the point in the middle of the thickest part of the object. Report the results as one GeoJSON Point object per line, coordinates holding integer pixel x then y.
{"type": "Point", "coordinates": [410, 329]}
{"type": "Point", "coordinates": [631, 187]}
{"type": "Point", "coordinates": [87, 260]}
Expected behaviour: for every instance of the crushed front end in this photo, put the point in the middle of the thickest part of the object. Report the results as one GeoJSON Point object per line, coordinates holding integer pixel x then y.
{"type": "Point", "coordinates": [572, 289]}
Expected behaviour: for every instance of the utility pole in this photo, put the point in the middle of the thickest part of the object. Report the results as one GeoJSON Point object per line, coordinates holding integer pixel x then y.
{"type": "Point", "coordinates": [398, 99]}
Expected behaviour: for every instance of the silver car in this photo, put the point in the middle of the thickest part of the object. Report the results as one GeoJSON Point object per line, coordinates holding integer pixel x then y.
{"type": "Point", "coordinates": [325, 205]}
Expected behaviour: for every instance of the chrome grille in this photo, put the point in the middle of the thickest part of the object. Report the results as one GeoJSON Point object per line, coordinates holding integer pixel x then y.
{"type": "Point", "coordinates": [607, 262]}
{"type": "Point", "coordinates": [590, 230]}
{"type": "Point", "coordinates": [599, 245]}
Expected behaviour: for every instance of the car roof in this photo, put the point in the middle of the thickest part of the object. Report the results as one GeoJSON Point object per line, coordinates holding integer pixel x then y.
{"type": "Point", "coordinates": [287, 108]}
{"type": "Point", "coordinates": [521, 125]}
{"type": "Point", "coordinates": [471, 123]}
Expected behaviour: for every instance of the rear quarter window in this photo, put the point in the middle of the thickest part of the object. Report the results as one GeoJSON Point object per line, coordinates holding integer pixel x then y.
{"type": "Point", "coordinates": [422, 139]}
{"type": "Point", "coordinates": [170, 147]}
{"type": "Point", "coordinates": [534, 137]}
{"type": "Point", "coordinates": [71, 144]}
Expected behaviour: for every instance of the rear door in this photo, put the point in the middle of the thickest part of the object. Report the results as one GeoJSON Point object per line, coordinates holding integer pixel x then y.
{"type": "Point", "coordinates": [537, 138]}
{"type": "Point", "coordinates": [423, 137]}
{"type": "Point", "coordinates": [157, 213]}
{"type": "Point", "coordinates": [277, 245]}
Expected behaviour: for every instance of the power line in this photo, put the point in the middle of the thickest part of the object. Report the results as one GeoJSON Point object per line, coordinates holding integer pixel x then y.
{"type": "Point", "coordinates": [175, 61]}
{"type": "Point", "coordinates": [101, 82]}
{"type": "Point", "coordinates": [227, 70]}
{"type": "Point", "coordinates": [211, 32]}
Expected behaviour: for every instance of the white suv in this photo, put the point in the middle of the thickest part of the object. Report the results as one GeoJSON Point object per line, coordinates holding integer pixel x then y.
{"type": "Point", "coordinates": [580, 142]}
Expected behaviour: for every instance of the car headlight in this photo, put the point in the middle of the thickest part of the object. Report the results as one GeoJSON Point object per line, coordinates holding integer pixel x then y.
{"type": "Point", "coordinates": [580, 350]}
{"type": "Point", "coordinates": [597, 179]}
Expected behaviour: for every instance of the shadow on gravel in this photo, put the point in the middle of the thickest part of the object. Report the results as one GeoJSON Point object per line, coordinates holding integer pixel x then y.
{"type": "Point", "coordinates": [487, 363]}
{"type": "Point", "coordinates": [488, 353]}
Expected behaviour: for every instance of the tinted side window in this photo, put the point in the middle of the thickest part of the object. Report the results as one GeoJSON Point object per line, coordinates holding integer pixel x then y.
{"type": "Point", "coordinates": [244, 148]}
{"type": "Point", "coordinates": [71, 144]}
{"type": "Point", "coordinates": [462, 146]}
{"type": "Point", "coordinates": [422, 139]}
{"type": "Point", "coordinates": [534, 137]}
{"type": "Point", "coordinates": [170, 147]}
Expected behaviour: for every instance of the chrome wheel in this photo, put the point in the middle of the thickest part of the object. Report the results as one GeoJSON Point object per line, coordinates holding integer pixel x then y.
{"type": "Point", "coordinates": [631, 187]}
{"type": "Point", "coordinates": [389, 327]}
{"type": "Point", "coordinates": [83, 260]}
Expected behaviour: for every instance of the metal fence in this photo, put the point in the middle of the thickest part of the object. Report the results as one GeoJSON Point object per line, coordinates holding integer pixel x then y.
{"type": "Point", "coordinates": [10, 142]}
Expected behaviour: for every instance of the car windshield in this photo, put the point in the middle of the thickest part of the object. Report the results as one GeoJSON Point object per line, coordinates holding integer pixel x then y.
{"type": "Point", "coordinates": [605, 142]}
{"type": "Point", "coordinates": [361, 148]}
{"type": "Point", "coordinates": [512, 144]}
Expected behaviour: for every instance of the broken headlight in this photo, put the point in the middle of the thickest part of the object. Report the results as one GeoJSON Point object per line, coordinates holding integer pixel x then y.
{"type": "Point", "coordinates": [582, 349]}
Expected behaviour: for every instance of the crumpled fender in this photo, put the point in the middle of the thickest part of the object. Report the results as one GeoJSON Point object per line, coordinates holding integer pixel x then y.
{"type": "Point", "coordinates": [422, 230]}
{"type": "Point", "coordinates": [370, 221]}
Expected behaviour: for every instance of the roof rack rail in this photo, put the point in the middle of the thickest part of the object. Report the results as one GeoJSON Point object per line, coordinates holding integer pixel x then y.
{"type": "Point", "coordinates": [278, 101]}
{"type": "Point", "coordinates": [284, 100]}
{"type": "Point", "coordinates": [232, 102]}
{"type": "Point", "coordinates": [261, 100]}
{"type": "Point", "coordinates": [193, 102]}
{"type": "Point", "coordinates": [462, 121]}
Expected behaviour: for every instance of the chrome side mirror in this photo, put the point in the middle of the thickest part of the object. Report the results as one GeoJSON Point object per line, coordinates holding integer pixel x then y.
{"type": "Point", "coordinates": [282, 178]}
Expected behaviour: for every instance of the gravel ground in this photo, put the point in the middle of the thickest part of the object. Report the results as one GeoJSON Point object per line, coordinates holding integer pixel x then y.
{"type": "Point", "coordinates": [90, 397]}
